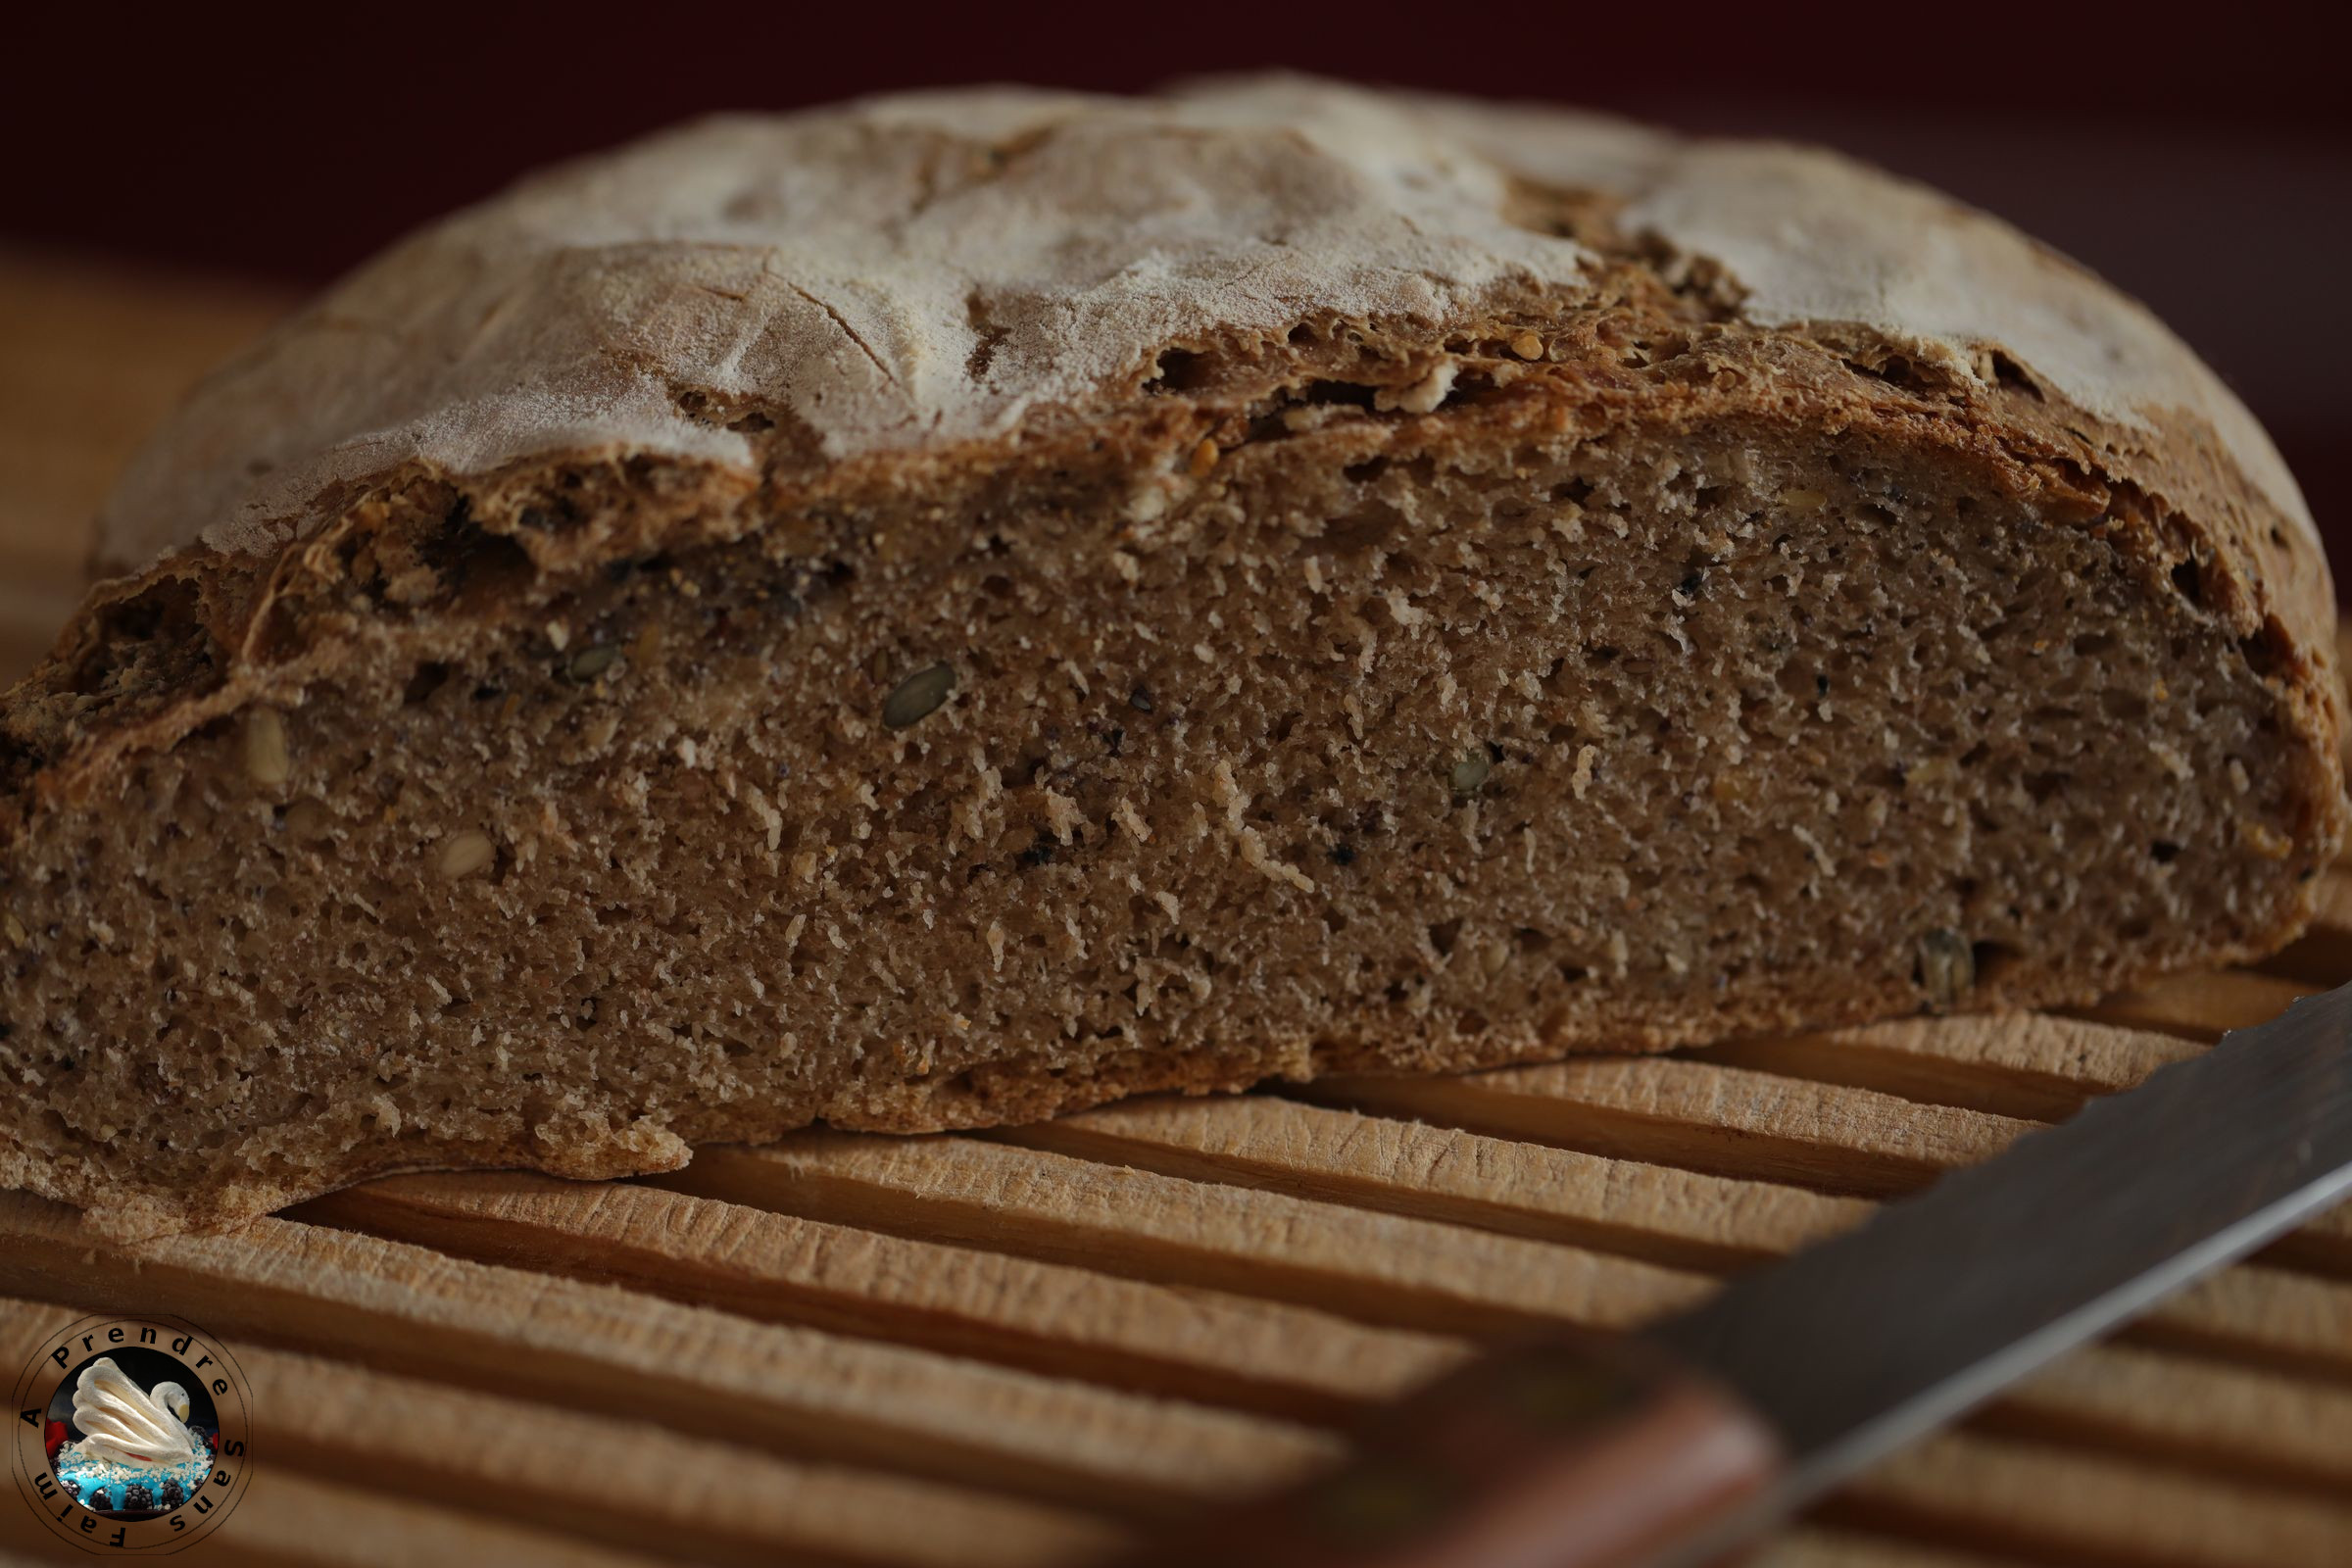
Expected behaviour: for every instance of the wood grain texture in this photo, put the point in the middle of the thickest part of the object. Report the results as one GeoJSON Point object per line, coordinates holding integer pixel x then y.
{"type": "Point", "coordinates": [610, 1480]}
{"type": "Point", "coordinates": [2203, 1007]}
{"type": "Point", "coordinates": [787, 1390]}
{"type": "Point", "coordinates": [1679, 1218]}
{"type": "Point", "coordinates": [1691, 1113]}
{"type": "Point", "coordinates": [2016, 1500]}
{"type": "Point", "coordinates": [1184, 1342]}
{"type": "Point", "coordinates": [294, 1520]}
{"type": "Point", "coordinates": [1375, 1267]}
{"type": "Point", "coordinates": [1008, 1349]}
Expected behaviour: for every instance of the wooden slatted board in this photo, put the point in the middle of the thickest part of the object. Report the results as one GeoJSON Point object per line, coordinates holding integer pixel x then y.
{"type": "Point", "coordinates": [1016, 1349]}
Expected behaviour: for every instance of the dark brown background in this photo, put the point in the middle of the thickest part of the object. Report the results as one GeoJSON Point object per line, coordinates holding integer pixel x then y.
{"type": "Point", "coordinates": [2203, 160]}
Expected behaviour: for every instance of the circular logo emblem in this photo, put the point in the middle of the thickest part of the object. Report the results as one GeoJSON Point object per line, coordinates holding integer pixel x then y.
{"type": "Point", "coordinates": [131, 1433]}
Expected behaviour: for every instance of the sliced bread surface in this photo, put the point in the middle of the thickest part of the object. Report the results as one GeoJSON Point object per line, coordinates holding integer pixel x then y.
{"type": "Point", "coordinates": [963, 605]}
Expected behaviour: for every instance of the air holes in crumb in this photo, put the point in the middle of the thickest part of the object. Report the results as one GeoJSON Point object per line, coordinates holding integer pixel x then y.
{"type": "Point", "coordinates": [2044, 786]}
{"type": "Point", "coordinates": [2164, 852]}
{"type": "Point", "coordinates": [2189, 581]}
{"type": "Point", "coordinates": [2007, 372]}
{"type": "Point", "coordinates": [1178, 371]}
{"type": "Point", "coordinates": [1444, 935]}
{"type": "Point", "coordinates": [2265, 650]}
{"type": "Point", "coordinates": [1345, 393]}
{"type": "Point", "coordinates": [428, 679]}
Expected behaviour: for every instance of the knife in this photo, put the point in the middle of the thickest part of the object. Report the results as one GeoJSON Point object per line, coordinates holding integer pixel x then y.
{"type": "Point", "coordinates": [1670, 1448]}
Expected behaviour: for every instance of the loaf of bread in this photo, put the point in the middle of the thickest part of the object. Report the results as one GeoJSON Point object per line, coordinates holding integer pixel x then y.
{"type": "Point", "coordinates": [946, 610]}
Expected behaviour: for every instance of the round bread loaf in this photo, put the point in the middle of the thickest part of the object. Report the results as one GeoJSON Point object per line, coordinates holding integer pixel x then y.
{"type": "Point", "coordinates": [962, 606]}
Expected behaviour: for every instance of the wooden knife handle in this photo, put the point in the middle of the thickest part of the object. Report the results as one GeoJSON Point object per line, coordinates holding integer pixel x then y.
{"type": "Point", "coordinates": [1574, 1452]}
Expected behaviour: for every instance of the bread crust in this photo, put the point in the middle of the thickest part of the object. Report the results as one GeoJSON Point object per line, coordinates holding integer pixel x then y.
{"type": "Point", "coordinates": [659, 351]}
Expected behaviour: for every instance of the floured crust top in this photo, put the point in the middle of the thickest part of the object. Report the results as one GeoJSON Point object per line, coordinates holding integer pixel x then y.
{"type": "Point", "coordinates": [916, 271]}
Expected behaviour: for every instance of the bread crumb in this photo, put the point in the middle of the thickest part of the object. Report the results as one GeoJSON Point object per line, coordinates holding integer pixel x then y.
{"type": "Point", "coordinates": [1813, 847]}
{"type": "Point", "coordinates": [996, 948]}
{"type": "Point", "coordinates": [1253, 844]}
{"type": "Point", "coordinates": [2265, 840]}
{"type": "Point", "coordinates": [771, 820]}
{"type": "Point", "coordinates": [1582, 778]}
{"type": "Point", "coordinates": [1132, 820]}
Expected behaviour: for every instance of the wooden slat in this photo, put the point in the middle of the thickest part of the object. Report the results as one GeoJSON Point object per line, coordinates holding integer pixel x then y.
{"type": "Point", "coordinates": [1961, 1489]}
{"type": "Point", "coordinates": [2201, 1007]}
{"type": "Point", "coordinates": [2027, 1066]}
{"type": "Point", "coordinates": [1381, 1268]}
{"type": "Point", "coordinates": [1815, 1546]}
{"type": "Point", "coordinates": [289, 1520]}
{"type": "Point", "coordinates": [2281, 1429]}
{"type": "Point", "coordinates": [790, 1391]}
{"type": "Point", "coordinates": [2260, 1316]}
{"type": "Point", "coordinates": [603, 1479]}
{"type": "Point", "coordinates": [1694, 1115]}
{"type": "Point", "coordinates": [1684, 1113]}
{"type": "Point", "coordinates": [2124, 1400]}
{"type": "Point", "coordinates": [1202, 1344]}
{"type": "Point", "coordinates": [1675, 1217]}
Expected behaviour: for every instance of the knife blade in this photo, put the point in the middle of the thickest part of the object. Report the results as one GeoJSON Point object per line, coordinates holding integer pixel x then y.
{"type": "Point", "coordinates": [1668, 1449]}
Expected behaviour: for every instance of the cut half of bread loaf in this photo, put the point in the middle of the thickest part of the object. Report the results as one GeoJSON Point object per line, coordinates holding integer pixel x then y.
{"type": "Point", "coordinates": [964, 606]}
